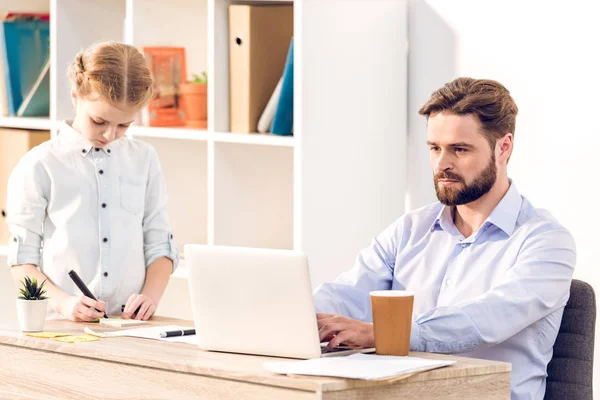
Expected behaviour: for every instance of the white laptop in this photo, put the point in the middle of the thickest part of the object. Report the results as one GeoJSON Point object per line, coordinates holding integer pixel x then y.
{"type": "Point", "coordinates": [254, 301]}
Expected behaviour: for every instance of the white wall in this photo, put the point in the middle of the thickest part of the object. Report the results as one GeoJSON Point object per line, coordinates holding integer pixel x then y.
{"type": "Point", "coordinates": [547, 55]}
{"type": "Point", "coordinates": [350, 127]}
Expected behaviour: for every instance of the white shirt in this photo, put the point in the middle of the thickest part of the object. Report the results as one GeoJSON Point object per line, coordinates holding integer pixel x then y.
{"type": "Point", "coordinates": [100, 212]}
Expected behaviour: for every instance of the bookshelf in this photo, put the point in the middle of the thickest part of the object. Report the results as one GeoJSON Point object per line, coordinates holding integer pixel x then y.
{"type": "Point", "coordinates": [327, 190]}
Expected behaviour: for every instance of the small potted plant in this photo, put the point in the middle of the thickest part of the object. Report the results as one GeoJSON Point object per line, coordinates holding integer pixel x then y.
{"type": "Point", "coordinates": [32, 305]}
{"type": "Point", "coordinates": [193, 97]}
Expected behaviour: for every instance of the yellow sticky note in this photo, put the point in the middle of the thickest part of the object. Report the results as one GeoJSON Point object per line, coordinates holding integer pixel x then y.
{"type": "Point", "coordinates": [47, 334]}
{"type": "Point", "coordinates": [77, 339]}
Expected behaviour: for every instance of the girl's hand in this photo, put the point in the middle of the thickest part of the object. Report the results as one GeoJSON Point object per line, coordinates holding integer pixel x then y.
{"type": "Point", "coordinates": [82, 309]}
{"type": "Point", "coordinates": [147, 307]}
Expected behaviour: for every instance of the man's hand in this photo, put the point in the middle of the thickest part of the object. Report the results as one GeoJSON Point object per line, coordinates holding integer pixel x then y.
{"type": "Point", "coordinates": [147, 307]}
{"type": "Point", "coordinates": [82, 309]}
{"type": "Point", "coordinates": [345, 330]}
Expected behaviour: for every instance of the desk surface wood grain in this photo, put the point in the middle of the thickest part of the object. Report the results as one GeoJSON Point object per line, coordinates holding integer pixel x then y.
{"type": "Point", "coordinates": [190, 359]}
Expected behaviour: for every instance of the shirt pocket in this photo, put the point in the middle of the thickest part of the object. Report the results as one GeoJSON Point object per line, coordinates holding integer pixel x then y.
{"type": "Point", "coordinates": [133, 193]}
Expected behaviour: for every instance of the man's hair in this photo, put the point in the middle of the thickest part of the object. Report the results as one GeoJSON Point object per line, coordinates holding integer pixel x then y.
{"type": "Point", "coordinates": [488, 100]}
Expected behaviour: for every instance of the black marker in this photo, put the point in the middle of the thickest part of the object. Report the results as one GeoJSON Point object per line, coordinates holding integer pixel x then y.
{"type": "Point", "coordinates": [136, 311]}
{"type": "Point", "coordinates": [84, 289]}
{"type": "Point", "coordinates": [182, 332]}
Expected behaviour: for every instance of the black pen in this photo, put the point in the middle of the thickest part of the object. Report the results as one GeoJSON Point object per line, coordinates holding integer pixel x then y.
{"type": "Point", "coordinates": [182, 332]}
{"type": "Point", "coordinates": [84, 289]}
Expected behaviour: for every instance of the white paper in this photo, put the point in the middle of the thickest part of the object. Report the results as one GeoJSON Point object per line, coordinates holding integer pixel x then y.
{"type": "Point", "coordinates": [151, 332]}
{"type": "Point", "coordinates": [357, 366]}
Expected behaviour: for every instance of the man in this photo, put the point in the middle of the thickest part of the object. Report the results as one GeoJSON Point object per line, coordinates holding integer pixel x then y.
{"type": "Point", "coordinates": [491, 273]}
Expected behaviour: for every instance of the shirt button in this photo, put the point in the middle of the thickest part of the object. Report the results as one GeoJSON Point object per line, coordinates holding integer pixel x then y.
{"type": "Point", "coordinates": [105, 240]}
{"type": "Point", "coordinates": [171, 236]}
{"type": "Point", "coordinates": [103, 205]}
{"type": "Point", "coordinates": [449, 282]}
{"type": "Point", "coordinates": [83, 151]}
{"type": "Point", "coordinates": [97, 149]}
{"type": "Point", "coordinates": [463, 245]}
{"type": "Point", "coordinates": [15, 240]}
{"type": "Point", "coordinates": [105, 274]}
{"type": "Point", "coordinates": [101, 172]}
{"type": "Point", "coordinates": [108, 151]}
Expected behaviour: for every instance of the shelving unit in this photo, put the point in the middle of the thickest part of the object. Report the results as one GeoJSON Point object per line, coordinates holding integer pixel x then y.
{"type": "Point", "coordinates": [326, 191]}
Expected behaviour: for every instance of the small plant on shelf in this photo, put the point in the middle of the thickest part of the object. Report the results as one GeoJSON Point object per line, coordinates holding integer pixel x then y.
{"type": "Point", "coordinates": [199, 80]}
{"type": "Point", "coordinates": [194, 100]}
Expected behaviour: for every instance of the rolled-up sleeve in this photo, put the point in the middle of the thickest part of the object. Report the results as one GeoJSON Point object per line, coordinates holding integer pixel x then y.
{"type": "Point", "coordinates": [158, 238]}
{"type": "Point", "coordinates": [27, 199]}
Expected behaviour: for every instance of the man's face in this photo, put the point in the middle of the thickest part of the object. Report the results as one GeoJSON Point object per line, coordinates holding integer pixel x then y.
{"type": "Point", "coordinates": [464, 166]}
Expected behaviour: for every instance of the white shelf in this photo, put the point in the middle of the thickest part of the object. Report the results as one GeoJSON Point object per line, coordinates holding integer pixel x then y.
{"type": "Point", "coordinates": [267, 139]}
{"type": "Point", "coordinates": [168, 133]}
{"type": "Point", "coordinates": [34, 123]}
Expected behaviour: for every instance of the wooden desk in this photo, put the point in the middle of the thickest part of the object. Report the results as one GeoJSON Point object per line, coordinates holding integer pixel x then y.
{"type": "Point", "coordinates": [133, 368]}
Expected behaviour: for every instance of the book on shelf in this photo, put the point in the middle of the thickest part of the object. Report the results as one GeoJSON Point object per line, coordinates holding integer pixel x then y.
{"type": "Point", "coordinates": [284, 114]}
{"type": "Point", "coordinates": [266, 119]}
{"type": "Point", "coordinates": [259, 36]}
{"type": "Point", "coordinates": [25, 43]}
{"type": "Point", "coordinates": [168, 68]}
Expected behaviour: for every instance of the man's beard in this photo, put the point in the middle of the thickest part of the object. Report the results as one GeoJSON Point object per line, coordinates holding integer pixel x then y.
{"type": "Point", "coordinates": [482, 184]}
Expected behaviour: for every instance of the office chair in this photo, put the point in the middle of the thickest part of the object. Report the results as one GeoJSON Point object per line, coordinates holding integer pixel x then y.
{"type": "Point", "coordinates": [570, 372]}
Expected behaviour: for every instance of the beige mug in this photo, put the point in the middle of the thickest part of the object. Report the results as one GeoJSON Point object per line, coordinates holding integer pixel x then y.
{"type": "Point", "coordinates": [392, 320]}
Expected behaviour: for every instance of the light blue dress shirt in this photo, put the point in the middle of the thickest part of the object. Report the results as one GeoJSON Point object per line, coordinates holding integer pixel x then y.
{"type": "Point", "coordinates": [498, 294]}
{"type": "Point", "coordinates": [100, 212]}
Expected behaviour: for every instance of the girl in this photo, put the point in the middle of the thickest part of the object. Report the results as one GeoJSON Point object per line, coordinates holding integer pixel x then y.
{"type": "Point", "coordinates": [93, 200]}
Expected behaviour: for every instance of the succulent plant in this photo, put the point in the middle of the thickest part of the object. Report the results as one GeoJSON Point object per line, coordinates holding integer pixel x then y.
{"type": "Point", "coordinates": [31, 290]}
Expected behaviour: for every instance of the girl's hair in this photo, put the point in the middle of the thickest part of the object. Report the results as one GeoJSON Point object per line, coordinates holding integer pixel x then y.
{"type": "Point", "coordinates": [117, 72]}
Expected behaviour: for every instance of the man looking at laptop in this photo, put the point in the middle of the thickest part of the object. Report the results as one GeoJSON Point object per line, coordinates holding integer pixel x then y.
{"type": "Point", "coordinates": [490, 272]}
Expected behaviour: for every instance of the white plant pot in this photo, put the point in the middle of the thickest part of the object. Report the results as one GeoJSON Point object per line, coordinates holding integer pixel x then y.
{"type": "Point", "coordinates": [32, 314]}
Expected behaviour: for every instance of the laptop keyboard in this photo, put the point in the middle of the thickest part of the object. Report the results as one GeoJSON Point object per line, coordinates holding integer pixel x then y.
{"type": "Point", "coordinates": [334, 350]}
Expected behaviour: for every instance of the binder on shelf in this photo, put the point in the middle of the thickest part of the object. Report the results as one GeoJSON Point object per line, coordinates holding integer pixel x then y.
{"type": "Point", "coordinates": [3, 93]}
{"type": "Point", "coordinates": [37, 102]}
{"type": "Point", "coordinates": [26, 48]}
{"type": "Point", "coordinates": [284, 114]}
{"type": "Point", "coordinates": [266, 119]}
{"type": "Point", "coordinates": [259, 37]}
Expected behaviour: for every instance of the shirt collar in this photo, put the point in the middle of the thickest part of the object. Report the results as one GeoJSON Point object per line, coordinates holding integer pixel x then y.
{"type": "Point", "coordinates": [504, 215]}
{"type": "Point", "coordinates": [73, 140]}
{"type": "Point", "coordinates": [443, 220]}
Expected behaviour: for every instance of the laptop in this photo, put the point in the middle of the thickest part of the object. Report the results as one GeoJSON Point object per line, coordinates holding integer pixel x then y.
{"type": "Point", "coordinates": [254, 301]}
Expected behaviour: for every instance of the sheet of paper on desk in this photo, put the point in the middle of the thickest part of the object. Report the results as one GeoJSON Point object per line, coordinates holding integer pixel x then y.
{"type": "Point", "coordinates": [151, 332]}
{"type": "Point", "coordinates": [357, 366]}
